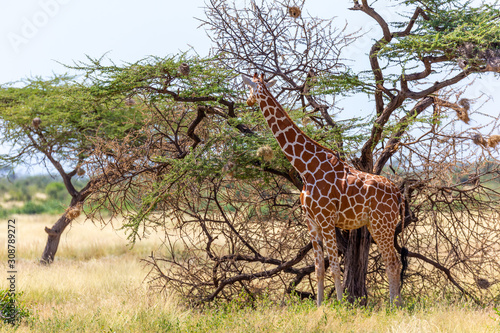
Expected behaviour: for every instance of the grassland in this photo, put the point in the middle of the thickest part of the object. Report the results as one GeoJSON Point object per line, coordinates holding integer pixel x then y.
{"type": "Point", "coordinates": [97, 285]}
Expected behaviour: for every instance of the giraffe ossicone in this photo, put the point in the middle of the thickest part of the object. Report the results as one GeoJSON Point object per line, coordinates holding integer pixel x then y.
{"type": "Point", "coordinates": [334, 195]}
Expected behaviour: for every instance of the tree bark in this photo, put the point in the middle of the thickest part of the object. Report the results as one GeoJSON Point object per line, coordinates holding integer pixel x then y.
{"type": "Point", "coordinates": [356, 265]}
{"type": "Point", "coordinates": [54, 233]}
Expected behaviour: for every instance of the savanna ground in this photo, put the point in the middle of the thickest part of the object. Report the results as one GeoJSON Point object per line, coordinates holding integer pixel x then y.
{"type": "Point", "coordinates": [97, 284]}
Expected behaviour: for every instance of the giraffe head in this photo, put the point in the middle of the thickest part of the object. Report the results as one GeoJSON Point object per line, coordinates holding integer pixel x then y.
{"type": "Point", "coordinates": [256, 87]}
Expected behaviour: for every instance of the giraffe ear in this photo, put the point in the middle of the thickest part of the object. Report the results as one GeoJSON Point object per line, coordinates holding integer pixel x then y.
{"type": "Point", "coordinates": [271, 83]}
{"type": "Point", "coordinates": [249, 81]}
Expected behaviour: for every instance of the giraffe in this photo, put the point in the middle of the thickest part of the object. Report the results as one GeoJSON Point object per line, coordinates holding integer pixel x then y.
{"type": "Point", "coordinates": [334, 194]}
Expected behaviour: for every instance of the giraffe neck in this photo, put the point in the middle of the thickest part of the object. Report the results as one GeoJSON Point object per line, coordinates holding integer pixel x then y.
{"type": "Point", "coordinates": [297, 146]}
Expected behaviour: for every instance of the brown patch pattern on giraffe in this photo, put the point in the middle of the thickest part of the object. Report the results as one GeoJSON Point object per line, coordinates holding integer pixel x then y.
{"type": "Point", "coordinates": [335, 194]}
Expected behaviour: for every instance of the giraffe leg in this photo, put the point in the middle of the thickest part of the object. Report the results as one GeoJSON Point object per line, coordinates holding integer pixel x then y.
{"type": "Point", "coordinates": [386, 248]}
{"type": "Point", "coordinates": [330, 241]}
{"type": "Point", "coordinates": [319, 261]}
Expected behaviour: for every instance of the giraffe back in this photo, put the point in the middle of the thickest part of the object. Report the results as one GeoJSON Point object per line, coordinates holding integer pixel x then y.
{"type": "Point", "coordinates": [351, 197]}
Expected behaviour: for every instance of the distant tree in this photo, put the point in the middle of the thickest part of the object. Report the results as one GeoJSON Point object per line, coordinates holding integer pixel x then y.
{"type": "Point", "coordinates": [47, 122]}
{"type": "Point", "coordinates": [56, 190]}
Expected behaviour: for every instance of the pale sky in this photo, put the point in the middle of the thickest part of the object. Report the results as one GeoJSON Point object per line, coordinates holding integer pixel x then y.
{"type": "Point", "coordinates": [37, 34]}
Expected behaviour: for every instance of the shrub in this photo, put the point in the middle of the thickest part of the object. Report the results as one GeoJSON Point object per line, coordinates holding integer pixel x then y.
{"type": "Point", "coordinates": [12, 311]}
{"type": "Point", "coordinates": [56, 190]}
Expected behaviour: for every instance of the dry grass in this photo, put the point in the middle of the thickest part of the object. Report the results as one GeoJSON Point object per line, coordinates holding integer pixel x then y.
{"type": "Point", "coordinates": [97, 285]}
{"type": "Point", "coordinates": [11, 204]}
{"type": "Point", "coordinates": [80, 241]}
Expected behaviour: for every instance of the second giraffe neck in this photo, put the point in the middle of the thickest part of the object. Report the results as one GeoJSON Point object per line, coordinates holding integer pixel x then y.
{"type": "Point", "coordinates": [297, 146]}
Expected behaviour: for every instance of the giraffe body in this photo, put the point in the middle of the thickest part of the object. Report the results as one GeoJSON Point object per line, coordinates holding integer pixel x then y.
{"type": "Point", "coordinates": [334, 194]}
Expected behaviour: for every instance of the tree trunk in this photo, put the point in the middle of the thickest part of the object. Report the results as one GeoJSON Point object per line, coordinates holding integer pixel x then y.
{"type": "Point", "coordinates": [54, 233]}
{"type": "Point", "coordinates": [53, 239]}
{"type": "Point", "coordinates": [356, 265]}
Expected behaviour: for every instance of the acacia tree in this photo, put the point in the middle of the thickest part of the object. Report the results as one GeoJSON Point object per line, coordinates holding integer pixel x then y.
{"type": "Point", "coordinates": [206, 169]}
{"type": "Point", "coordinates": [47, 122]}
